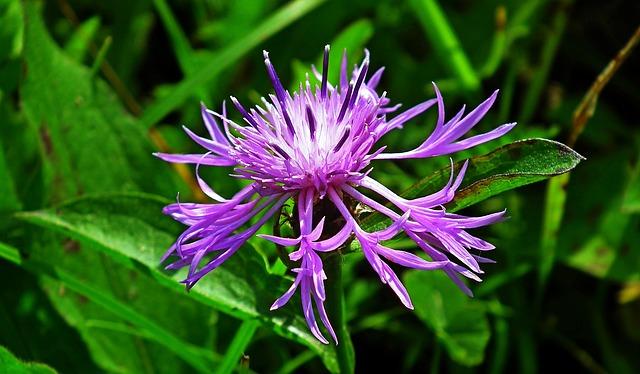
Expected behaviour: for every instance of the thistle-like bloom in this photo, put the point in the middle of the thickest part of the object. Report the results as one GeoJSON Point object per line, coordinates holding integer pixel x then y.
{"type": "Point", "coordinates": [315, 146]}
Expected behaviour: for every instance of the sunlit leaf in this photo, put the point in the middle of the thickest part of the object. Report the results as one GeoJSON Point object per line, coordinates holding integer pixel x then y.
{"type": "Point", "coordinates": [508, 167]}
{"type": "Point", "coordinates": [92, 142]}
{"type": "Point", "coordinates": [78, 45]}
{"type": "Point", "coordinates": [131, 229]}
{"type": "Point", "coordinates": [459, 322]}
{"type": "Point", "coordinates": [11, 365]}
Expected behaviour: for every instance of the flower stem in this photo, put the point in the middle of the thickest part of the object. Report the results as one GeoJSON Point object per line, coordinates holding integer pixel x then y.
{"type": "Point", "coordinates": [337, 315]}
{"type": "Point", "coordinates": [238, 346]}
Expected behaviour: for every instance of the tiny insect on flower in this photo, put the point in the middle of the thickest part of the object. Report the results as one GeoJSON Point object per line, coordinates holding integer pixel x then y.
{"type": "Point", "coordinates": [316, 145]}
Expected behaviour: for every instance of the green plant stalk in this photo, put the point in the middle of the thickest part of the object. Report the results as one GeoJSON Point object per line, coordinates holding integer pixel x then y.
{"type": "Point", "coordinates": [178, 38]}
{"type": "Point", "coordinates": [336, 310]}
{"type": "Point", "coordinates": [553, 212]}
{"type": "Point", "coordinates": [294, 364]}
{"type": "Point", "coordinates": [11, 254]}
{"type": "Point", "coordinates": [556, 189]}
{"type": "Point", "coordinates": [444, 40]}
{"type": "Point", "coordinates": [102, 53]}
{"type": "Point", "coordinates": [437, 356]}
{"type": "Point", "coordinates": [238, 346]}
{"type": "Point", "coordinates": [501, 347]}
{"type": "Point", "coordinates": [508, 90]}
{"type": "Point", "coordinates": [224, 58]}
{"type": "Point", "coordinates": [540, 77]}
{"type": "Point", "coordinates": [180, 42]}
{"type": "Point", "coordinates": [498, 47]}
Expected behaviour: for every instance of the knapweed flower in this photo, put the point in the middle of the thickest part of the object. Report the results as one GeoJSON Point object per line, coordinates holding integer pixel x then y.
{"type": "Point", "coordinates": [315, 146]}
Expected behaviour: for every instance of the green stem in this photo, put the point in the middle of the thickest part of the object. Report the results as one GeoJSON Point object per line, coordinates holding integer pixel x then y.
{"type": "Point", "coordinates": [498, 47]}
{"type": "Point", "coordinates": [337, 314]}
{"type": "Point", "coordinates": [437, 356]}
{"type": "Point", "coordinates": [181, 46]}
{"type": "Point", "coordinates": [541, 75]}
{"type": "Point", "coordinates": [102, 53]}
{"type": "Point", "coordinates": [238, 346]}
{"type": "Point", "coordinates": [226, 57]}
{"type": "Point", "coordinates": [509, 87]}
{"type": "Point", "coordinates": [10, 253]}
{"type": "Point", "coordinates": [446, 43]}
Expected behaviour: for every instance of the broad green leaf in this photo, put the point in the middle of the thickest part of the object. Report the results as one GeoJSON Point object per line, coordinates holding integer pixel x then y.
{"type": "Point", "coordinates": [78, 45]}
{"type": "Point", "coordinates": [85, 286]}
{"type": "Point", "coordinates": [227, 57]}
{"type": "Point", "coordinates": [597, 235]}
{"type": "Point", "coordinates": [508, 167]}
{"type": "Point", "coordinates": [9, 364]}
{"type": "Point", "coordinates": [22, 158]}
{"type": "Point", "coordinates": [131, 229]}
{"type": "Point", "coordinates": [142, 345]}
{"type": "Point", "coordinates": [29, 323]}
{"type": "Point", "coordinates": [459, 322]}
{"type": "Point", "coordinates": [87, 136]}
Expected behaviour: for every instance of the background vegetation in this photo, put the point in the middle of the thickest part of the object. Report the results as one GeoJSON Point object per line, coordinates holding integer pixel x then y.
{"type": "Point", "coordinates": [88, 90]}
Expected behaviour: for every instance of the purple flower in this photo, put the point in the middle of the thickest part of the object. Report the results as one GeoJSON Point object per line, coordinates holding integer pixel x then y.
{"type": "Point", "coordinates": [315, 146]}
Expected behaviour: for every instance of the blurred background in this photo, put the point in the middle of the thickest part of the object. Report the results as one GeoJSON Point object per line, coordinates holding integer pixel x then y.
{"type": "Point", "coordinates": [88, 90]}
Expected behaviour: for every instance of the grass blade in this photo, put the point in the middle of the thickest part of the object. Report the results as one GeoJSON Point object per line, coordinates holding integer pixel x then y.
{"type": "Point", "coordinates": [225, 58]}
{"type": "Point", "coordinates": [446, 43]}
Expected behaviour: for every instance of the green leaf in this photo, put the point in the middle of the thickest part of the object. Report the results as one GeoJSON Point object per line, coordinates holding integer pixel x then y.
{"type": "Point", "coordinates": [11, 29]}
{"type": "Point", "coordinates": [84, 286]}
{"type": "Point", "coordinates": [459, 322]}
{"type": "Point", "coordinates": [78, 45]}
{"type": "Point", "coordinates": [179, 40]}
{"type": "Point", "coordinates": [9, 253]}
{"type": "Point", "coordinates": [147, 347]}
{"type": "Point", "coordinates": [9, 364]}
{"type": "Point", "coordinates": [25, 172]}
{"type": "Point", "coordinates": [508, 167]}
{"type": "Point", "coordinates": [131, 229]}
{"type": "Point", "coordinates": [86, 134]}
{"type": "Point", "coordinates": [29, 324]}
{"type": "Point", "coordinates": [11, 44]}
{"type": "Point", "coordinates": [238, 346]}
{"type": "Point", "coordinates": [445, 42]}
{"type": "Point", "coordinates": [597, 235]}
{"type": "Point", "coordinates": [227, 57]}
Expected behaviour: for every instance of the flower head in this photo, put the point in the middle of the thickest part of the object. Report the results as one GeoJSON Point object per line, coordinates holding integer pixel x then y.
{"type": "Point", "coordinates": [316, 145]}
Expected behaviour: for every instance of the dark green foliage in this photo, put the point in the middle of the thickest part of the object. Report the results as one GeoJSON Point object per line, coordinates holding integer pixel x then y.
{"type": "Point", "coordinates": [88, 90]}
